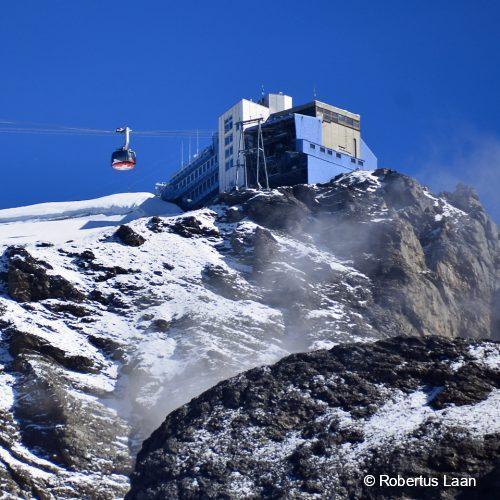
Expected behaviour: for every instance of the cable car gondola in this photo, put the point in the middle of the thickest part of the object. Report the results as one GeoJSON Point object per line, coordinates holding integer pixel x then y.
{"type": "Point", "coordinates": [123, 158]}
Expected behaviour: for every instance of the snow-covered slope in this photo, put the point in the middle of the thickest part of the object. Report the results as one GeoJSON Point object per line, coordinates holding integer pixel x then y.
{"type": "Point", "coordinates": [62, 221]}
{"type": "Point", "coordinates": [116, 311]}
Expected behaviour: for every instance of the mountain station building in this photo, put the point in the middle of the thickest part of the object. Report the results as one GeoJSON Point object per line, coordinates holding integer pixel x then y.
{"type": "Point", "coordinates": [270, 143]}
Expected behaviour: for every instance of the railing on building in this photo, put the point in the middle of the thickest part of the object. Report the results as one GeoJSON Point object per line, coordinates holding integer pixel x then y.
{"type": "Point", "coordinates": [199, 176]}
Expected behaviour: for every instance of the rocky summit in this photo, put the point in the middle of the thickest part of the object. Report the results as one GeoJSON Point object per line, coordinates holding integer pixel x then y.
{"type": "Point", "coordinates": [314, 425]}
{"type": "Point", "coordinates": [115, 312]}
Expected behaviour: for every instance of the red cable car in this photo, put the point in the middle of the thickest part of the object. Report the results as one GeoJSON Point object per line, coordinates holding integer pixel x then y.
{"type": "Point", "coordinates": [123, 158]}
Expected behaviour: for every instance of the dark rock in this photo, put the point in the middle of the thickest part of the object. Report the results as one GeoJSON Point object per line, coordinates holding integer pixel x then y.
{"type": "Point", "coordinates": [28, 280]}
{"type": "Point", "coordinates": [110, 347]}
{"type": "Point", "coordinates": [23, 342]}
{"type": "Point", "coordinates": [277, 210]}
{"type": "Point", "coordinates": [87, 255]}
{"type": "Point", "coordinates": [129, 237]}
{"type": "Point", "coordinates": [61, 426]}
{"type": "Point", "coordinates": [160, 325]}
{"type": "Point", "coordinates": [156, 224]}
{"type": "Point", "coordinates": [234, 214]}
{"type": "Point", "coordinates": [250, 426]}
{"type": "Point", "coordinates": [265, 247]}
{"type": "Point", "coordinates": [236, 197]}
{"type": "Point", "coordinates": [67, 307]}
{"type": "Point", "coordinates": [227, 284]}
{"type": "Point", "coordinates": [188, 226]}
{"type": "Point", "coordinates": [306, 194]}
{"type": "Point", "coordinates": [107, 272]}
{"type": "Point", "coordinates": [100, 297]}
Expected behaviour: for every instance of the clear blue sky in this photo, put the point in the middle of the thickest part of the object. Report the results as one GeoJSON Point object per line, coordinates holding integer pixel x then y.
{"type": "Point", "coordinates": [424, 75]}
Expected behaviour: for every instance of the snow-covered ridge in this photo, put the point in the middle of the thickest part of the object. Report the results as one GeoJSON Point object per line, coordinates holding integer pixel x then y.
{"type": "Point", "coordinates": [115, 204]}
{"type": "Point", "coordinates": [59, 222]}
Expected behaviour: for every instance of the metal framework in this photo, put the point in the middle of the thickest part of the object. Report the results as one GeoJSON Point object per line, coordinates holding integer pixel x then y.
{"type": "Point", "coordinates": [243, 151]}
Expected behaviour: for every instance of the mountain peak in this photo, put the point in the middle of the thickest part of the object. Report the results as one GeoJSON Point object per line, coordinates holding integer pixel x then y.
{"type": "Point", "coordinates": [124, 314]}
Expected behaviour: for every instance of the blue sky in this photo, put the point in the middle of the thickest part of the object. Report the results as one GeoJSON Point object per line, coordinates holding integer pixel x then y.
{"type": "Point", "coordinates": [423, 74]}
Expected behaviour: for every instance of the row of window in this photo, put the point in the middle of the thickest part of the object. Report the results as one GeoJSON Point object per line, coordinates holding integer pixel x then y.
{"type": "Point", "coordinates": [331, 116]}
{"type": "Point", "coordinates": [338, 155]}
{"type": "Point", "coordinates": [202, 187]}
{"type": "Point", "coordinates": [228, 124]}
{"type": "Point", "coordinates": [197, 173]}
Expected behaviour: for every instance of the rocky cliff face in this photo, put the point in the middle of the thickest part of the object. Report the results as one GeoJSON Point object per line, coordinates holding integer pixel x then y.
{"type": "Point", "coordinates": [108, 329]}
{"type": "Point", "coordinates": [313, 425]}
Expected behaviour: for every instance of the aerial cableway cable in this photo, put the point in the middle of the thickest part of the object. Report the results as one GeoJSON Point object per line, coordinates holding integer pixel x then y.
{"type": "Point", "coordinates": [122, 159]}
{"type": "Point", "coordinates": [33, 127]}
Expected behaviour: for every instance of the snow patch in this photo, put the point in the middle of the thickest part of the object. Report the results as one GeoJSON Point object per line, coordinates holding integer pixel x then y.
{"type": "Point", "coordinates": [487, 354]}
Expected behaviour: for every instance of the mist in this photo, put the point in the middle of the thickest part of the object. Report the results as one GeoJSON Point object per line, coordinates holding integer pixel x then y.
{"type": "Point", "coordinates": [464, 155]}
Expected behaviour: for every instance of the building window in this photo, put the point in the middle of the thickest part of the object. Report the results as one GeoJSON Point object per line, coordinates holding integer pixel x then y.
{"type": "Point", "coordinates": [353, 160]}
{"type": "Point", "coordinates": [330, 152]}
{"type": "Point", "coordinates": [322, 150]}
{"type": "Point", "coordinates": [228, 124]}
{"type": "Point", "coordinates": [312, 146]}
{"type": "Point", "coordinates": [361, 162]}
{"type": "Point", "coordinates": [338, 155]}
{"type": "Point", "coordinates": [229, 164]}
{"type": "Point", "coordinates": [229, 152]}
{"type": "Point", "coordinates": [228, 139]}
{"type": "Point", "coordinates": [330, 116]}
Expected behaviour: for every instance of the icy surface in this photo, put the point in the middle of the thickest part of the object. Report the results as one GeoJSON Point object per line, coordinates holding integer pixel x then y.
{"type": "Point", "coordinates": [116, 204]}
{"type": "Point", "coordinates": [62, 221]}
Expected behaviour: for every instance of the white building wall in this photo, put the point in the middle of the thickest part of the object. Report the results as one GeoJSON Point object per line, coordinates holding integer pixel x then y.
{"type": "Point", "coordinates": [278, 102]}
{"type": "Point", "coordinates": [229, 140]}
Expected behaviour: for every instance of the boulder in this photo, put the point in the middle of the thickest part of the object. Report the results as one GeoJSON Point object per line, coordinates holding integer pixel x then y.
{"type": "Point", "coordinates": [129, 237]}
{"type": "Point", "coordinates": [189, 226]}
{"type": "Point", "coordinates": [277, 210]}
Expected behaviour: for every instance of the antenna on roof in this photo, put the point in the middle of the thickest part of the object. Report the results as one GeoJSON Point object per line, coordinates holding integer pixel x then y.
{"type": "Point", "coordinates": [262, 90]}
{"type": "Point", "coordinates": [314, 92]}
{"type": "Point", "coordinates": [182, 154]}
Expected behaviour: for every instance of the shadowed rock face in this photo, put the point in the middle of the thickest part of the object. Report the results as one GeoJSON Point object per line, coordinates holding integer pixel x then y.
{"type": "Point", "coordinates": [28, 280]}
{"type": "Point", "coordinates": [313, 425]}
{"type": "Point", "coordinates": [433, 264]}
